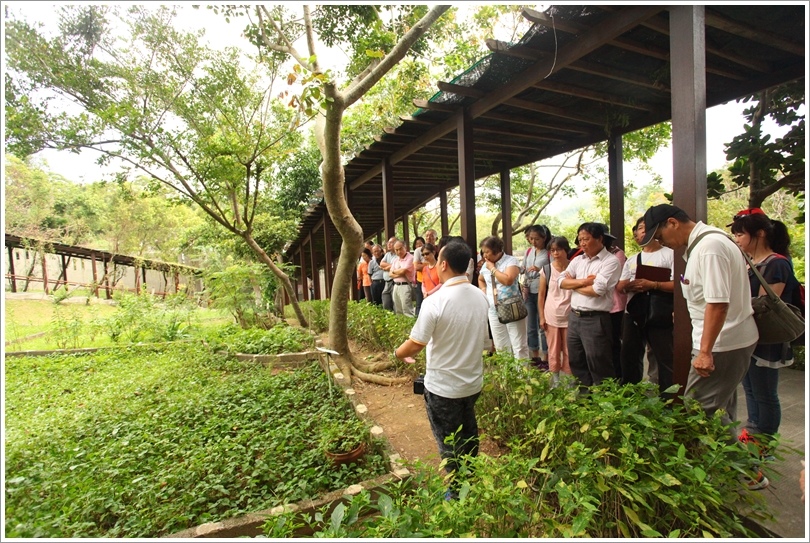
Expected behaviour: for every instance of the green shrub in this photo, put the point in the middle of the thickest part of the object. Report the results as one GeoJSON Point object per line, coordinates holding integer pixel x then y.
{"type": "Point", "coordinates": [316, 313]}
{"type": "Point", "coordinates": [616, 463]}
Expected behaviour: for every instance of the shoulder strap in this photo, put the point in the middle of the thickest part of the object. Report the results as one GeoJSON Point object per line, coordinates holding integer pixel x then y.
{"type": "Point", "coordinates": [638, 259]}
{"type": "Point", "coordinates": [768, 290]}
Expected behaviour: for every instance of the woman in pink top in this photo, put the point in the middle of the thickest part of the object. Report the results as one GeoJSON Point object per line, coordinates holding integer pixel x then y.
{"type": "Point", "coordinates": [554, 304]}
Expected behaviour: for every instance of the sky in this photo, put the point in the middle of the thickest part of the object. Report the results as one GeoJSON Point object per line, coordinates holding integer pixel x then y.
{"type": "Point", "coordinates": [722, 122]}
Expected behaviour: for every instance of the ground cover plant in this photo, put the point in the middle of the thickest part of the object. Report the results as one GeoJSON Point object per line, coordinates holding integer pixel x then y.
{"type": "Point", "coordinates": [139, 442]}
{"type": "Point", "coordinates": [281, 338]}
{"type": "Point", "coordinates": [616, 463]}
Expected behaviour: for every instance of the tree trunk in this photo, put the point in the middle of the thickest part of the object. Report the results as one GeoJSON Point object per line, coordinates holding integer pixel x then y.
{"type": "Point", "coordinates": [285, 280]}
{"type": "Point", "coordinates": [333, 178]}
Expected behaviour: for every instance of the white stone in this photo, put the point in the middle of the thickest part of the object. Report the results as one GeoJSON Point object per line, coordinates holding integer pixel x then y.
{"type": "Point", "coordinates": [394, 458]}
{"type": "Point", "coordinates": [349, 392]}
{"type": "Point", "coordinates": [402, 472]}
{"type": "Point", "coordinates": [361, 409]}
{"type": "Point", "coordinates": [352, 490]}
{"type": "Point", "coordinates": [339, 375]}
{"type": "Point", "coordinates": [376, 431]}
{"type": "Point", "coordinates": [208, 527]}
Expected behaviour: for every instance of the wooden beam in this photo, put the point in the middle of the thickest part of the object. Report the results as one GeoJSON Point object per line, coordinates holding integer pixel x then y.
{"type": "Point", "coordinates": [715, 20]}
{"type": "Point", "coordinates": [461, 90]}
{"type": "Point", "coordinates": [609, 72]}
{"type": "Point", "coordinates": [528, 121]}
{"type": "Point", "coordinates": [521, 135]}
{"type": "Point", "coordinates": [435, 106]}
{"type": "Point", "coordinates": [597, 96]}
{"type": "Point", "coordinates": [555, 111]}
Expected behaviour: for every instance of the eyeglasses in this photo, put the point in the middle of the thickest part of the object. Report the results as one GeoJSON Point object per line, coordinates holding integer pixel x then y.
{"type": "Point", "coordinates": [425, 253]}
{"type": "Point", "coordinates": [746, 212]}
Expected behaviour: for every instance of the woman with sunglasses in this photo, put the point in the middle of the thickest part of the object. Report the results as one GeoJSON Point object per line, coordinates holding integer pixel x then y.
{"type": "Point", "coordinates": [430, 275]}
{"type": "Point", "coordinates": [766, 241]}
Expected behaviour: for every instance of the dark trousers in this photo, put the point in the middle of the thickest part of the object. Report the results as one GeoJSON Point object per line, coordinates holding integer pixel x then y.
{"type": "Point", "coordinates": [377, 286]}
{"type": "Point", "coordinates": [634, 342]}
{"type": "Point", "coordinates": [616, 321]}
{"type": "Point", "coordinates": [446, 416]}
{"type": "Point", "coordinates": [590, 348]}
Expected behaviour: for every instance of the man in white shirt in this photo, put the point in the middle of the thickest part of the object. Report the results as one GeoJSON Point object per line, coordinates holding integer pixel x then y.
{"type": "Point", "coordinates": [385, 264]}
{"type": "Point", "coordinates": [592, 276]}
{"type": "Point", "coordinates": [453, 326]}
{"type": "Point", "coordinates": [718, 295]}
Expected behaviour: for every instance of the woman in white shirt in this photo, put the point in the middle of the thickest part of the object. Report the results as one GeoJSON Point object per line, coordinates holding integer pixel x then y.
{"type": "Point", "coordinates": [500, 271]}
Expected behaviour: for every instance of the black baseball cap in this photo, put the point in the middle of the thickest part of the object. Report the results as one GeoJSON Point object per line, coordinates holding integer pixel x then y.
{"type": "Point", "coordinates": [653, 219]}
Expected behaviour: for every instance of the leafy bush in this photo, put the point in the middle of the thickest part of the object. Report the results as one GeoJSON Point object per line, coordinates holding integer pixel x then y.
{"type": "Point", "coordinates": [316, 313]}
{"type": "Point", "coordinates": [139, 443]}
{"type": "Point", "coordinates": [144, 318]}
{"type": "Point", "coordinates": [377, 328]}
{"type": "Point", "coordinates": [241, 289]}
{"type": "Point", "coordinates": [617, 462]}
{"type": "Point", "coordinates": [282, 338]}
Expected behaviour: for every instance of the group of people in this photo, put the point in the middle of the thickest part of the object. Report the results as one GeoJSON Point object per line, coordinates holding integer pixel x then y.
{"type": "Point", "coordinates": [582, 318]}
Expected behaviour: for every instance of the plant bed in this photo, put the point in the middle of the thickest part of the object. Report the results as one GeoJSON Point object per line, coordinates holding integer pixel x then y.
{"type": "Point", "coordinates": [137, 443]}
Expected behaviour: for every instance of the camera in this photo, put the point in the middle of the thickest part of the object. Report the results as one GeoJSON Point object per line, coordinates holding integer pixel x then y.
{"type": "Point", "coordinates": [419, 385]}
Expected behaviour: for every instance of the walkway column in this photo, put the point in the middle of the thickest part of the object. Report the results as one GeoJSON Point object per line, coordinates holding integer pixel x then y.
{"type": "Point", "coordinates": [44, 273]}
{"type": "Point", "coordinates": [466, 178]}
{"type": "Point", "coordinates": [443, 211]}
{"type": "Point", "coordinates": [616, 187]}
{"type": "Point", "coordinates": [506, 210]}
{"type": "Point", "coordinates": [388, 201]}
{"type": "Point", "coordinates": [11, 269]}
{"type": "Point", "coordinates": [95, 274]}
{"type": "Point", "coordinates": [406, 234]}
{"type": "Point", "coordinates": [304, 284]}
{"type": "Point", "coordinates": [329, 276]}
{"type": "Point", "coordinates": [316, 276]}
{"type": "Point", "coordinates": [688, 76]}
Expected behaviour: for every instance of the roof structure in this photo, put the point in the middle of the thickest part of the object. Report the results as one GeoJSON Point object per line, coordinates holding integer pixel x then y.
{"type": "Point", "coordinates": [579, 76]}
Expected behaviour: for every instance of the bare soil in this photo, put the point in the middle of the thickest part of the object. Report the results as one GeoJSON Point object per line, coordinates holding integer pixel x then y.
{"type": "Point", "coordinates": [402, 416]}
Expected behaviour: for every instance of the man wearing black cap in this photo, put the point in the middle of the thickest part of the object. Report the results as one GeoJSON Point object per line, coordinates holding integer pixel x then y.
{"type": "Point", "coordinates": [592, 276]}
{"type": "Point", "coordinates": [717, 292]}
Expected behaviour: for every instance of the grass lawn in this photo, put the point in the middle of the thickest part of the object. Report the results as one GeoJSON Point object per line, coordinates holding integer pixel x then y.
{"type": "Point", "coordinates": [143, 443]}
{"type": "Point", "coordinates": [73, 325]}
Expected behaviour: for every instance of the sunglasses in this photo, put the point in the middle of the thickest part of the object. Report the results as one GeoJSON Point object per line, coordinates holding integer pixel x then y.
{"type": "Point", "coordinates": [746, 212]}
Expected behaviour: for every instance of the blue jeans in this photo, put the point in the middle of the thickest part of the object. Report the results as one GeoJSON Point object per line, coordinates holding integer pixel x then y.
{"type": "Point", "coordinates": [536, 335]}
{"type": "Point", "coordinates": [762, 399]}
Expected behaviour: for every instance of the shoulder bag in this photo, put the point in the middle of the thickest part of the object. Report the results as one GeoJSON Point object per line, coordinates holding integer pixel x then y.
{"type": "Point", "coordinates": [511, 308]}
{"type": "Point", "coordinates": [652, 308]}
{"type": "Point", "coordinates": [777, 321]}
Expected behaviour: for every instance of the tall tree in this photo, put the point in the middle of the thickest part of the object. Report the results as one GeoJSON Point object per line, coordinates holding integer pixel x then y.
{"type": "Point", "coordinates": [375, 48]}
{"type": "Point", "coordinates": [764, 164]}
{"type": "Point", "coordinates": [157, 100]}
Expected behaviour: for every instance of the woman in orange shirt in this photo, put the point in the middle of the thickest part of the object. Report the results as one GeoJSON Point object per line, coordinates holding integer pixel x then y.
{"type": "Point", "coordinates": [430, 275]}
{"type": "Point", "coordinates": [363, 278]}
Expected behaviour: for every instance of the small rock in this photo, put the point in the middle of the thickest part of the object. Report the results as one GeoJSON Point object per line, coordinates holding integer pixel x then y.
{"type": "Point", "coordinates": [361, 409]}
{"type": "Point", "coordinates": [376, 431]}
{"type": "Point", "coordinates": [352, 490]}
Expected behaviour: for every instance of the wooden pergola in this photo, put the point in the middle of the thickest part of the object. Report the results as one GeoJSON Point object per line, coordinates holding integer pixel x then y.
{"type": "Point", "coordinates": [581, 75]}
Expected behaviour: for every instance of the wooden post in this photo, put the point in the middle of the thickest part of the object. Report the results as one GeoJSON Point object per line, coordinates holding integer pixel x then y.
{"type": "Point", "coordinates": [106, 277]}
{"type": "Point", "coordinates": [406, 234]}
{"type": "Point", "coordinates": [304, 284]}
{"type": "Point", "coordinates": [389, 222]}
{"type": "Point", "coordinates": [688, 76]}
{"type": "Point", "coordinates": [616, 188]}
{"type": "Point", "coordinates": [327, 249]}
{"type": "Point", "coordinates": [443, 206]}
{"type": "Point", "coordinates": [11, 269]}
{"type": "Point", "coordinates": [316, 276]}
{"type": "Point", "coordinates": [44, 273]}
{"type": "Point", "coordinates": [506, 210]}
{"type": "Point", "coordinates": [466, 178]}
{"type": "Point", "coordinates": [64, 272]}
{"type": "Point", "coordinates": [137, 279]}
{"type": "Point", "coordinates": [143, 275]}
{"type": "Point", "coordinates": [95, 273]}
